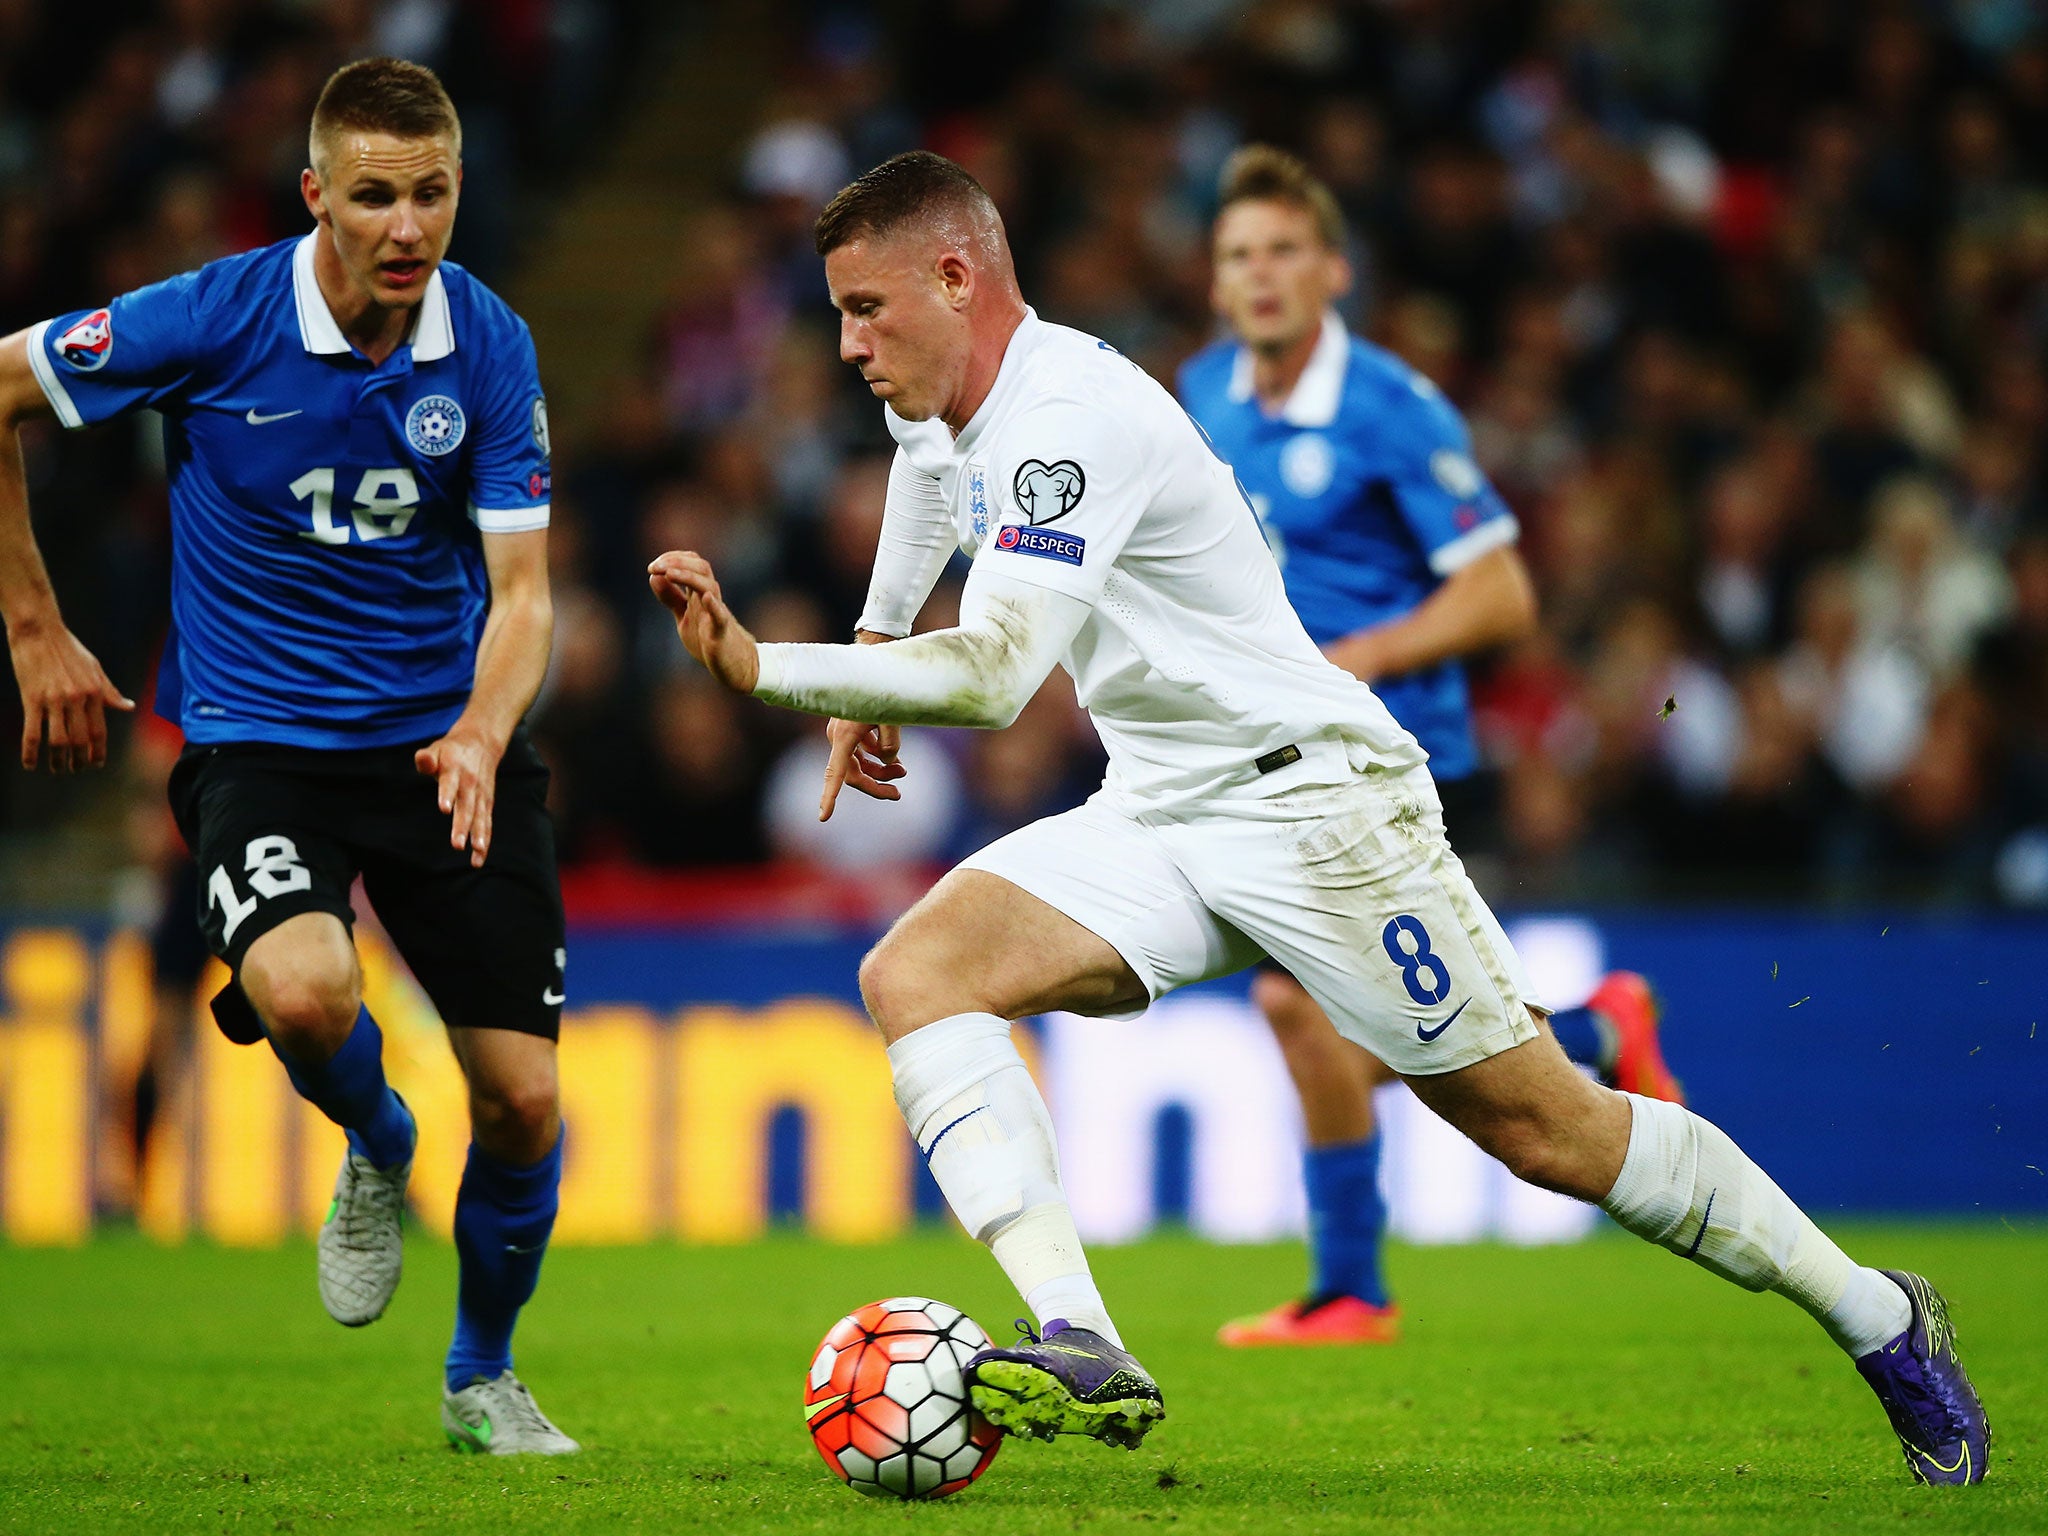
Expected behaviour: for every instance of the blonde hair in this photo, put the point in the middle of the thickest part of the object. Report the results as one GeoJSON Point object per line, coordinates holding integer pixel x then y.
{"type": "Point", "coordinates": [394, 96]}
{"type": "Point", "coordinates": [1263, 173]}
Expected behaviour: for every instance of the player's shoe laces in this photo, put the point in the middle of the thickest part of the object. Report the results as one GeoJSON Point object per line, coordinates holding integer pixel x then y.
{"type": "Point", "coordinates": [500, 1418]}
{"type": "Point", "coordinates": [1926, 1393]}
{"type": "Point", "coordinates": [1070, 1381]}
{"type": "Point", "coordinates": [1627, 1001]}
{"type": "Point", "coordinates": [1332, 1319]}
{"type": "Point", "coordinates": [362, 1243]}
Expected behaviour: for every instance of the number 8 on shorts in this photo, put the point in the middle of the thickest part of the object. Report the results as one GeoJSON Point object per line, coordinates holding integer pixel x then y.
{"type": "Point", "coordinates": [1407, 945]}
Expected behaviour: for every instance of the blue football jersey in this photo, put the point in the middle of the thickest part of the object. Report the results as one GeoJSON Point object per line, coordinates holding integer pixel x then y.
{"type": "Point", "coordinates": [328, 586]}
{"type": "Point", "coordinates": [1365, 485]}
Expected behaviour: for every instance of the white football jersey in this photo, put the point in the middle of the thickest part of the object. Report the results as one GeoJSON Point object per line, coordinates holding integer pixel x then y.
{"type": "Point", "coordinates": [1081, 474]}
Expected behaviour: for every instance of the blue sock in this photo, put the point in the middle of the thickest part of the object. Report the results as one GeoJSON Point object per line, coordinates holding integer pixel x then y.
{"type": "Point", "coordinates": [349, 1089]}
{"type": "Point", "coordinates": [1586, 1037]}
{"type": "Point", "coordinates": [1346, 1217]}
{"type": "Point", "coordinates": [503, 1216]}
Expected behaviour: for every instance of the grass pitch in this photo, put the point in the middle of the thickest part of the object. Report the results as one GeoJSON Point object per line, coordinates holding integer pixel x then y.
{"type": "Point", "coordinates": [1600, 1388]}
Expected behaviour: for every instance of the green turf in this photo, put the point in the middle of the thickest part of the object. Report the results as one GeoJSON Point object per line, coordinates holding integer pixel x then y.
{"type": "Point", "coordinates": [1589, 1389]}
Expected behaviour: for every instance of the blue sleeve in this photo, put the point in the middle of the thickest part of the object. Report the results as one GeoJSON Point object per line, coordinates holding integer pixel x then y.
{"type": "Point", "coordinates": [1445, 499]}
{"type": "Point", "coordinates": [510, 480]}
{"type": "Point", "coordinates": [140, 350]}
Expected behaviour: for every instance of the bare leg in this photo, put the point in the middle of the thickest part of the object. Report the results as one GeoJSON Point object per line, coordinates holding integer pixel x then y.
{"type": "Point", "coordinates": [1334, 1078]}
{"type": "Point", "coordinates": [511, 1183]}
{"type": "Point", "coordinates": [1668, 1176]}
{"type": "Point", "coordinates": [306, 986]}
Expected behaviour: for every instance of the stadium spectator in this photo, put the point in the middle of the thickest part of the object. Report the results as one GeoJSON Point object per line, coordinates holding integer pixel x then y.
{"type": "Point", "coordinates": [1748, 311]}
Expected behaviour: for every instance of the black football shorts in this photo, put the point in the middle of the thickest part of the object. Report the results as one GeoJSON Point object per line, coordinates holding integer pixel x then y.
{"type": "Point", "coordinates": [282, 830]}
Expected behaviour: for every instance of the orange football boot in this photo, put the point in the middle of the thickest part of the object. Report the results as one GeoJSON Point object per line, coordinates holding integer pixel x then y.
{"type": "Point", "coordinates": [1337, 1320]}
{"type": "Point", "coordinates": [1626, 1001]}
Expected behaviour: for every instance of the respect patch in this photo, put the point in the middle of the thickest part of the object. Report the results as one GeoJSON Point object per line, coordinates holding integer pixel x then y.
{"type": "Point", "coordinates": [1046, 543]}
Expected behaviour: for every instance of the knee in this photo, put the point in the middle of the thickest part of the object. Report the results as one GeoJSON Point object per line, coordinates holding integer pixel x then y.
{"type": "Point", "coordinates": [1284, 1001]}
{"type": "Point", "coordinates": [308, 1001]}
{"type": "Point", "coordinates": [516, 1119]}
{"type": "Point", "coordinates": [1304, 1032]}
{"type": "Point", "coordinates": [896, 988]}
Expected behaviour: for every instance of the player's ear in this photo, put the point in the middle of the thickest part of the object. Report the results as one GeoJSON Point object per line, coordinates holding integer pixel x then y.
{"type": "Point", "coordinates": [1340, 274]}
{"type": "Point", "coordinates": [309, 189]}
{"type": "Point", "coordinates": [955, 276]}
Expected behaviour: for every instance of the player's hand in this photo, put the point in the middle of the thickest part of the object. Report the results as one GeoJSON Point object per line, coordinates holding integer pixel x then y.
{"type": "Point", "coordinates": [465, 767]}
{"type": "Point", "coordinates": [863, 757]}
{"type": "Point", "coordinates": [1357, 655]}
{"type": "Point", "coordinates": [65, 695]}
{"type": "Point", "coordinates": [684, 583]}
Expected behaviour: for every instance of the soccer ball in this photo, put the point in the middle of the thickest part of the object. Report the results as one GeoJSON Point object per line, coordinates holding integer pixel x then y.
{"type": "Point", "coordinates": [887, 1400]}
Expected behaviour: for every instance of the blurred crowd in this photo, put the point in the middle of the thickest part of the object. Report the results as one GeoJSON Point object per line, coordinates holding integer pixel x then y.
{"type": "Point", "coordinates": [1746, 302]}
{"type": "Point", "coordinates": [1747, 306]}
{"type": "Point", "coordinates": [140, 138]}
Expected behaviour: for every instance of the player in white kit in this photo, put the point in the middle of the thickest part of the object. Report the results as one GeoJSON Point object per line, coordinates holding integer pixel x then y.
{"type": "Point", "coordinates": [1259, 801]}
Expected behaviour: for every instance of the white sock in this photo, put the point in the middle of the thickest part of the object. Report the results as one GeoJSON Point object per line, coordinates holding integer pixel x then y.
{"type": "Point", "coordinates": [978, 1118]}
{"type": "Point", "coordinates": [1686, 1186]}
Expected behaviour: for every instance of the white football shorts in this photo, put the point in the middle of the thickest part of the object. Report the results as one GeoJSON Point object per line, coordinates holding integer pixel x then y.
{"type": "Point", "coordinates": [1352, 887]}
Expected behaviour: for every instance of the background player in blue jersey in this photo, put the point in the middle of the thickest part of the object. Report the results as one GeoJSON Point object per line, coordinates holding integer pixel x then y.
{"type": "Point", "coordinates": [358, 455]}
{"type": "Point", "coordinates": [1400, 559]}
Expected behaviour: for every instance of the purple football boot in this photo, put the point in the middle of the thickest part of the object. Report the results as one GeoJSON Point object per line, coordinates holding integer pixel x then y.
{"type": "Point", "coordinates": [1068, 1381]}
{"type": "Point", "coordinates": [1928, 1396]}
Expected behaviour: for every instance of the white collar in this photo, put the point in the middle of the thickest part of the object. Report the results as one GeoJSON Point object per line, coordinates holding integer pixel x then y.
{"type": "Point", "coordinates": [433, 328]}
{"type": "Point", "coordinates": [1319, 390]}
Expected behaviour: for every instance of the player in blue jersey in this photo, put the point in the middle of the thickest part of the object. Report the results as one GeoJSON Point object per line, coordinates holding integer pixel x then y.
{"type": "Point", "coordinates": [358, 453]}
{"type": "Point", "coordinates": [1400, 559]}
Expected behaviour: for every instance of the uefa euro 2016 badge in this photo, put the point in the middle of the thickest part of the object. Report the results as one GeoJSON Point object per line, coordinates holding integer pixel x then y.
{"type": "Point", "coordinates": [1456, 473]}
{"type": "Point", "coordinates": [87, 343]}
{"type": "Point", "coordinates": [435, 425]}
{"type": "Point", "coordinates": [1307, 464]}
{"type": "Point", "coordinates": [977, 503]}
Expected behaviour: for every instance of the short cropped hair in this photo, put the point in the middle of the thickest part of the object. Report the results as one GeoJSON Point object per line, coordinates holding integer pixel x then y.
{"type": "Point", "coordinates": [393, 96]}
{"type": "Point", "coordinates": [904, 188]}
{"type": "Point", "coordinates": [1261, 173]}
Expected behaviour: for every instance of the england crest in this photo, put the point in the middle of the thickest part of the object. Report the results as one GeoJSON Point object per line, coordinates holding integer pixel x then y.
{"type": "Point", "coordinates": [977, 504]}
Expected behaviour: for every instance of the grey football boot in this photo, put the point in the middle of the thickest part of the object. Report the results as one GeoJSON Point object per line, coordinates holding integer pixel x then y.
{"type": "Point", "coordinates": [362, 1242]}
{"type": "Point", "coordinates": [500, 1418]}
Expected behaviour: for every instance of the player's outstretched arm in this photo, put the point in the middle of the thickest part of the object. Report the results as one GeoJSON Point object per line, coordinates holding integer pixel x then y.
{"type": "Point", "coordinates": [1487, 603]}
{"type": "Point", "coordinates": [65, 693]}
{"type": "Point", "coordinates": [511, 661]}
{"type": "Point", "coordinates": [980, 674]}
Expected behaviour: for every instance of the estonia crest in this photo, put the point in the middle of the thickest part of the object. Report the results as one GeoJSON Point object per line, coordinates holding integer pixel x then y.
{"type": "Point", "coordinates": [435, 425]}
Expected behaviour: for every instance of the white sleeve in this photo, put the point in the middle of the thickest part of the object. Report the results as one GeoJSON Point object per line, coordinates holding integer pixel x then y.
{"type": "Point", "coordinates": [1067, 485]}
{"type": "Point", "coordinates": [917, 540]}
{"type": "Point", "coordinates": [1011, 635]}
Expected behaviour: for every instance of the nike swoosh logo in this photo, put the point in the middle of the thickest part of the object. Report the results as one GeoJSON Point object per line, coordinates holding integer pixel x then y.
{"type": "Point", "coordinates": [928, 1151]}
{"type": "Point", "coordinates": [515, 1248]}
{"type": "Point", "coordinates": [550, 996]}
{"type": "Point", "coordinates": [255, 420]}
{"type": "Point", "coordinates": [1705, 1216]}
{"type": "Point", "coordinates": [1427, 1035]}
{"type": "Point", "coordinates": [812, 1410]}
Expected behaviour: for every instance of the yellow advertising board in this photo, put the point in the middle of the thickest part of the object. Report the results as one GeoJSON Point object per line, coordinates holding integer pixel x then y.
{"type": "Point", "coordinates": [668, 1112]}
